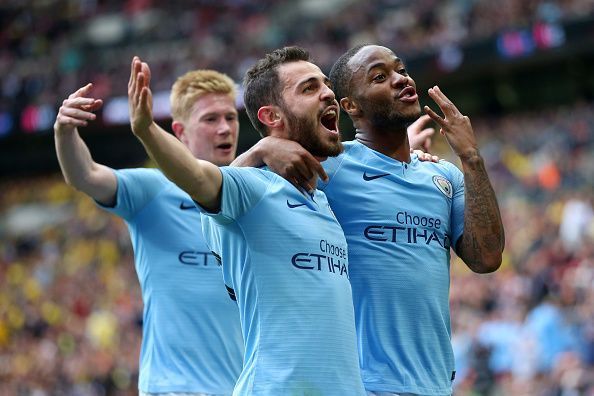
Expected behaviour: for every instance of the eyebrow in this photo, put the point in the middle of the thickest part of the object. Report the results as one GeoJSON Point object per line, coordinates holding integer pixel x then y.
{"type": "Point", "coordinates": [216, 114]}
{"type": "Point", "coordinates": [326, 81]}
{"type": "Point", "coordinates": [382, 64]}
{"type": "Point", "coordinates": [309, 80]}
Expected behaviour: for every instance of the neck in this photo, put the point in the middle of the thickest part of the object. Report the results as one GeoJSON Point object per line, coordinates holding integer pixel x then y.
{"type": "Point", "coordinates": [393, 143]}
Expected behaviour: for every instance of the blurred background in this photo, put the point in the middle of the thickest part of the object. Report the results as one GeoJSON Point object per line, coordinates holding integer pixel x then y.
{"type": "Point", "coordinates": [70, 307]}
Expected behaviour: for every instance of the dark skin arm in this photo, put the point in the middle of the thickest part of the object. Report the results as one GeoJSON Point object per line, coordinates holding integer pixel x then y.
{"type": "Point", "coordinates": [482, 243]}
{"type": "Point", "coordinates": [286, 158]}
{"type": "Point", "coordinates": [291, 161]}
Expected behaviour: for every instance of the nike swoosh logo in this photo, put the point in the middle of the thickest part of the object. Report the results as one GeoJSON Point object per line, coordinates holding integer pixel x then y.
{"type": "Point", "coordinates": [183, 206]}
{"type": "Point", "coordinates": [373, 177]}
{"type": "Point", "coordinates": [290, 205]}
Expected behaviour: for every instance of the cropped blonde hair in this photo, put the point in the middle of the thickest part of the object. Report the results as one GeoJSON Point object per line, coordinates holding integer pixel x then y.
{"type": "Point", "coordinates": [195, 84]}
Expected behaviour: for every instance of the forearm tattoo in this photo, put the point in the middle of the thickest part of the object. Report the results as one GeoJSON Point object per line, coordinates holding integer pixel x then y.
{"type": "Point", "coordinates": [483, 236]}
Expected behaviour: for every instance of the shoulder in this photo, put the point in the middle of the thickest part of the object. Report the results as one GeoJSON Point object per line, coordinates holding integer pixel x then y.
{"type": "Point", "coordinates": [144, 181]}
{"type": "Point", "coordinates": [348, 145]}
{"type": "Point", "coordinates": [444, 167]}
{"type": "Point", "coordinates": [248, 172]}
{"type": "Point", "coordinates": [141, 173]}
{"type": "Point", "coordinates": [352, 147]}
{"type": "Point", "coordinates": [246, 178]}
{"type": "Point", "coordinates": [332, 164]}
{"type": "Point", "coordinates": [452, 172]}
{"type": "Point", "coordinates": [448, 166]}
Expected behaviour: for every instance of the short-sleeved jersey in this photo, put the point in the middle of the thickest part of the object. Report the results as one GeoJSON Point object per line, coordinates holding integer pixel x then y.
{"type": "Point", "coordinates": [285, 261]}
{"type": "Point", "coordinates": [400, 220]}
{"type": "Point", "coordinates": [191, 335]}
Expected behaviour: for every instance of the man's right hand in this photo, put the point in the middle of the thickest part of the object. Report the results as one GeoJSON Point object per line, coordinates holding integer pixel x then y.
{"type": "Point", "coordinates": [77, 164]}
{"type": "Point", "coordinates": [291, 161]}
{"type": "Point", "coordinates": [140, 97]}
{"type": "Point", "coordinates": [77, 110]}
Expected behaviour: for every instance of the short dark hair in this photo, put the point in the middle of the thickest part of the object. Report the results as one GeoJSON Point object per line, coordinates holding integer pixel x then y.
{"type": "Point", "coordinates": [341, 74]}
{"type": "Point", "coordinates": [262, 85]}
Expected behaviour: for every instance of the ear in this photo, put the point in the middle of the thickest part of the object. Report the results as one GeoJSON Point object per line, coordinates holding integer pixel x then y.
{"type": "Point", "coordinates": [349, 106]}
{"type": "Point", "coordinates": [178, 130]}
{"type": "Point", "coordinates": [270, 116]}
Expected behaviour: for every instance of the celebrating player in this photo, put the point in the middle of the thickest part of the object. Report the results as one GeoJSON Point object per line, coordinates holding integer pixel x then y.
{"type": "Point", "coordinates": [191, 341]}
{"type": "Point", "coordinates": [283, 253]}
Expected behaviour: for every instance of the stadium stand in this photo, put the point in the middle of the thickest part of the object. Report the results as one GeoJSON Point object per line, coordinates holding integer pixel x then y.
{"type": "Point", "coordinates": [70, 307]}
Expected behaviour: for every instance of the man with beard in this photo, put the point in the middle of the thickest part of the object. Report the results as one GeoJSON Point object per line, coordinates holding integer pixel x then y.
{"type": "Point", "coordinates": [400, 252]}
{"type": "Point", "coordinates": [400, 217]}
{"type": "Point", "coordinates": [180, 279]}
{"type": "Point", "coordinates": [283, 253]}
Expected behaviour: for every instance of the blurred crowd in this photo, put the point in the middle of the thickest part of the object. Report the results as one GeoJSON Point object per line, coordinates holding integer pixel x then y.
{"type": "Point", "coordinates": [528, 329]}
{"type": "Point", "coordinates": [70, 305]}
{"type": "Point", "coordinates": [94, 40]}
{"type": "Point", "coordinates": [70, 308]}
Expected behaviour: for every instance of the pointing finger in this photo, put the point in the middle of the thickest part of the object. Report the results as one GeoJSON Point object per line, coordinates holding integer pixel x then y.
{"type": "Point", "coordinates": [81, 91]}
{"type": "Point", "coordinates": [434, 116]}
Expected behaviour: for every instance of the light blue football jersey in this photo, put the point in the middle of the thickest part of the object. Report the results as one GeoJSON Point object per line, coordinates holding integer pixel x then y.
{"type": "Point", "coordinates": [285, 261]}
{"type": "Point", "coordinates": [191, 335]}
{"type": "Point", "coordinates": [400, 221]}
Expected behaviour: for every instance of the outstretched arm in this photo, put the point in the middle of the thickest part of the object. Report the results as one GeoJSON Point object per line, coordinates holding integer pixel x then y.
{"type": "Point", "coordinates": [483, 239]}
{"type": "Point", "coordinates": [200, 179]}
{"type": "Point", "coordinates": [78, 167]}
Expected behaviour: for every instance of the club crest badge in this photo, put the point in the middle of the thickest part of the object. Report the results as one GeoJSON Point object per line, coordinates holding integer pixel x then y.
{"type": "Point", "coordinates": [443, 185]}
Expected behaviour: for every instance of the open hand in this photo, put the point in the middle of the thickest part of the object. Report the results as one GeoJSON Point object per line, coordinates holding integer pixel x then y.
{"type": "Point", "coordinates": [140, 97]}
{"type": "Point", "coordinates": [453, 125]}
{"type": "Point", "coordinates": [294, 163]}
{"type": "Point", "coordinates": [77, 110]}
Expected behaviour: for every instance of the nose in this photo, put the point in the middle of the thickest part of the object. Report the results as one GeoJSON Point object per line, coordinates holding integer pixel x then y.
{"type": "Point", "coordinates": [399, 81]}
{"type": "Point", "coordinates": [224, 127]}
{"type": "Point", "coordinates": [327, 95]}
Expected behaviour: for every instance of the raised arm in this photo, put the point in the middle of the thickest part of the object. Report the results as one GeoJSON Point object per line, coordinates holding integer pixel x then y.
{"type": "Point", "coordinates": [287, 159]}
{"type": "Point", "coordinates": [78, 167]}
{"type": "Point", "coordinates": [200, 179]}
{"type": "Point", "coordinates": [483, 239]}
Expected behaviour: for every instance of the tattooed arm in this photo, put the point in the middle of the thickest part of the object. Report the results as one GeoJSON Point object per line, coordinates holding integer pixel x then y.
{"type": "Point", "coordinates": [483, 240]}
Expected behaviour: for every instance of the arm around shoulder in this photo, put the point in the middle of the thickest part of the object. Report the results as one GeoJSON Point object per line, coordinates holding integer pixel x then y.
{"type": "Point", "coordinates": [286, 158]}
